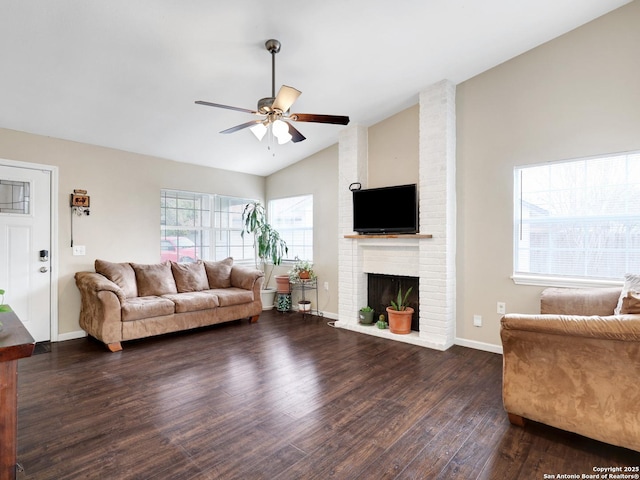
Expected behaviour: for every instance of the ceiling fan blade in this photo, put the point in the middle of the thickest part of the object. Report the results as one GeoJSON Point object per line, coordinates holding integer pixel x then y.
{"type": "Point", "coordinates": [218, 105]}
{"type": "Point", "coordinates": [285, 98]}
{"type": "Point", "coordinates": [311, 117]}
{"type": "Point", "coordinates": [296, 136]}
{"type": "Point", "coordinates": [242, 126]}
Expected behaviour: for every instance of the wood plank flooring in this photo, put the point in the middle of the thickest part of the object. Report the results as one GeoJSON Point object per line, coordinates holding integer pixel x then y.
{"type": "Point", "coordinates": [285, 398]}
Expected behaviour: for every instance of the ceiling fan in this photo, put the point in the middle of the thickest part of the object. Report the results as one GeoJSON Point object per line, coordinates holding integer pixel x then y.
{"type": "Point", "coordinates": [275, 109]}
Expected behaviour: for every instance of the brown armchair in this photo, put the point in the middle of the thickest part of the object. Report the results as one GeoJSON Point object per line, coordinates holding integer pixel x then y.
{"type": "Point", "coordinates": [576, 366]}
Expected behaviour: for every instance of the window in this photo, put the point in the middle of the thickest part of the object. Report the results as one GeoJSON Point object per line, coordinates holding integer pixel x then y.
{"type": "Point", "coordinates": [201, 226]}
{"type": "Point", "coordinates": [15, 197]}
{"type": "Point", "coordinates": [578, 219]}
{"type": "Point", "coordinates": [228, 223]}
{"type": "Point", "coordinates": [292, 217]}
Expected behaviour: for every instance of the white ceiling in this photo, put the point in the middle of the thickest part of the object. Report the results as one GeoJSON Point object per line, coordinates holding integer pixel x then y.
{"type": "Point", "coordinates": [125, 73]}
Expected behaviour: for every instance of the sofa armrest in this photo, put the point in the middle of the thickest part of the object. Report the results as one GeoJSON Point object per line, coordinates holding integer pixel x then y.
{"type": "Point", "coordinates": [101, 307]}
{"type": "Point", "coordinates": [92, 283]}
{"type": "Point", "coordinates": [611, 327]}
{"type": "Point", "coordinates": [247, 278]}
{"type": "Point", "coordinates": [579, 301]}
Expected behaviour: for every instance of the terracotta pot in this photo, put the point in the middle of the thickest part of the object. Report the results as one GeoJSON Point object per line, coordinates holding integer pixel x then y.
{"type": "Point", "coordinates": [282, 283]}
{"type": "Point", "coordinates": [304, 275]}
{"type": "Point", "coordinates": [400, 320]}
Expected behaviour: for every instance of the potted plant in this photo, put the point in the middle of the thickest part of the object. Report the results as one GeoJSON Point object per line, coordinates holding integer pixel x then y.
{"type": "Point", "coordinates": [400, 314]}
{"type": "Point", "coordinates": [268, 245]}
{"type": "Point", "coordinates": [366, 315]}
{"type": "Point", "coordinates": [381, 323]}
{"type": "Point", "coordinates": [3, 307]}
{"type": "Point", "coordinates": [302, 270]}
{"type": "Point", "coordinates": [304, 305]}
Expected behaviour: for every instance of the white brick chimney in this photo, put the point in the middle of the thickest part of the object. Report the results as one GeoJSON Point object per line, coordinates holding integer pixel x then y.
{"type": "Point", "coordinates": [432, 260]}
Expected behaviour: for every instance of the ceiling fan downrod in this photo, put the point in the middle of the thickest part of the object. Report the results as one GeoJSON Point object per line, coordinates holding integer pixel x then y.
{"type": "Point", "coordinates": [264, 104]}
{"type": "Point", "coordinates": [273, 46]}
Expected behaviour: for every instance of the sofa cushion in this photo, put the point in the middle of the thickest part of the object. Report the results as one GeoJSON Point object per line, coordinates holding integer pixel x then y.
{"type": "Point", "coordinates": [155, 279]}
{"type": "Point", "coordinates": [193, 301]}
{"type": "Point", "coordinates": [631, 284]}
{"type": "Point", "coordinates": [630, 304]}
{"type": "Point", "coordinates": [579, 301]}
{"type": "Point", "coordinates": [119, 273]}
{"type": "Point", "coordinates": [190, 277]}
{"type": "Point", "coordinates": [219, 273]}
{"type": "Point", "coordinates": [233, 296]}
{"type": "Point", "coordinates": [146, 307]}
{"type": "Point", "coordinates": [244, 277]}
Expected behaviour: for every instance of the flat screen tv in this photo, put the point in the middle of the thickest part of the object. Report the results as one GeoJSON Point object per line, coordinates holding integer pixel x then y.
{"type": "Point", "coordinates": [386, 210]}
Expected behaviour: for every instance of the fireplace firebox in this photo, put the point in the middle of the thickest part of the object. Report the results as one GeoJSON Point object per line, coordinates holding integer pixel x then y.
{"type": "Point", "coordinates": [381, 289]}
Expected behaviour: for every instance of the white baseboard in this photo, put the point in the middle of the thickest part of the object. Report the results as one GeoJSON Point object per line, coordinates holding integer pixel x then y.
{"type": "Point", "coordinates": [330, 315]}
{"type": "Point", "coordinates": [71, 335]}
{"type": "Point", "coordinates": [487, 347]}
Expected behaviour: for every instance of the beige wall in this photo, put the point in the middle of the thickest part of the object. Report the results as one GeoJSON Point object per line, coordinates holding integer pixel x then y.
{"type": "Point", "coordinates": [577, 95]}
{"type": "Point", "coordinates": [316, 175]}
{"type": "Point", "coordinates": [393, 150]}
{"type": "Point", "coordinates": [124, 224]}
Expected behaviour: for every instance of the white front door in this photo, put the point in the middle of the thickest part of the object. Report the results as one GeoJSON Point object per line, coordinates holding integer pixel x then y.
{"type": "Point", "coordinates": [25, 246]}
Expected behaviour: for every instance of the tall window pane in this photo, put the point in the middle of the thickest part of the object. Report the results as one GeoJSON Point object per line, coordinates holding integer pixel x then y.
{"type": "Point", "coordinates": [293, 218]}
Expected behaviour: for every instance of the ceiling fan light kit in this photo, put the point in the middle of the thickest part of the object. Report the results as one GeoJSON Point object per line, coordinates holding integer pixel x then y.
{"type": "Point", "coordinates": [275, 110]}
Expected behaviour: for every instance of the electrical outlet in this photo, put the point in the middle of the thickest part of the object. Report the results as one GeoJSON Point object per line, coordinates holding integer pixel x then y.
{"type": "Point", "coordinates": [477, 320]}
{"type": "Point", "coordinates": [79, 250]}
{"type": "Point", "coordinates": [501, 308]}
{"type": "Point", "coordinates": [326, 286]}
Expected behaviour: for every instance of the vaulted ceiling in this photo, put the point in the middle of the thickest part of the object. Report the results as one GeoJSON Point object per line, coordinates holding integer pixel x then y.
{"type": "Point", "coordinates": [125, 74]}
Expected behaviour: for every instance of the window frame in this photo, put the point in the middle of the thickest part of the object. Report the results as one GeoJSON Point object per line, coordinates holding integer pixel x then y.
{"type": "Point", "coordinates": [524, 277]}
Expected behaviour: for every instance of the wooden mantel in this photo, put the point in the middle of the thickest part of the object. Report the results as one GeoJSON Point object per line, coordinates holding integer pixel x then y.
{"type": "Point", "coordinates": [15, 343]}
{"type": "Point", "coordinates": [391, 235]}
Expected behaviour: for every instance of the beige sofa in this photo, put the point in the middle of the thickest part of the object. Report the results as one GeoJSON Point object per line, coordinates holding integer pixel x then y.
{"type": "Point", "coordinates": [576, 366]}
{"type": "Point", "coordinates": [125, 301]}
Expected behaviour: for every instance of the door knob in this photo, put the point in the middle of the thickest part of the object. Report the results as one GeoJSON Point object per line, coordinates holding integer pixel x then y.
{"type": "Point", "coordinates": [44, 269]}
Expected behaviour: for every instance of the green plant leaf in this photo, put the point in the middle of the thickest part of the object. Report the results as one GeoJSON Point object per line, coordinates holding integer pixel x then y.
{"type": "Point", "coordinates": [401, 303]}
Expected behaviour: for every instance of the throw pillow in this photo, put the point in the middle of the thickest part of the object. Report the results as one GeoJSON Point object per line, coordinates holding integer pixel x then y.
{"type": "Point", "coordinates": [244, 277]}
{"type": "Point", "coordinates": [219, 273]}
{"type": "Point", "coordinates": [631, 303]}
{"type": "Point", "coordinates": [121, 274]}
{"type": "Point", "coordinates": [190, 277]}
{"type": "Point", "coordinates": [154, 279]}
{"type": "Point", "coordinates": [631, 284]}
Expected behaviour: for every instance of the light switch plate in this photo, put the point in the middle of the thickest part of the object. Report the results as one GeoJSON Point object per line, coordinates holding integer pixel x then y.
{"type": "Point", "coordinates": [79, 250]}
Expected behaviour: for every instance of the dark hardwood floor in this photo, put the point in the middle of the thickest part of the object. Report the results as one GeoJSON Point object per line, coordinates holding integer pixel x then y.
{"type": "Point", "coordinates": [285, 398]}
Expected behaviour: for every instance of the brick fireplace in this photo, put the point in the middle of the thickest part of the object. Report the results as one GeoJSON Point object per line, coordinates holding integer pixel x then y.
{"type": "Point", "coordinates": [429, 256]}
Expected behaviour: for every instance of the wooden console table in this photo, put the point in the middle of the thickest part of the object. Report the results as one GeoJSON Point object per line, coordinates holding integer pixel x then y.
{"type": "Point", "coordinates": [15, 343]}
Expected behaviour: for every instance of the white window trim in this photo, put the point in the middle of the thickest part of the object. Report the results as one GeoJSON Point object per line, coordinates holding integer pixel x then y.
{"type": "Point", "coordinates": [571, 282]}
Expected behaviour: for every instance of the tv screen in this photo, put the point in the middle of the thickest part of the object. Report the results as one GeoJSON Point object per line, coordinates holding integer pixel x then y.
{"type": "Point", "coordinates": [386, 210]}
